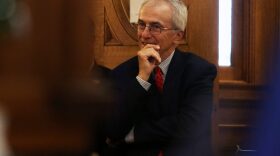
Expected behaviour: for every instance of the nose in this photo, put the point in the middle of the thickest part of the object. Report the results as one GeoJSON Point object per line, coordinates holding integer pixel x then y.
{"type": "Point", "coordinates": [146, 32]}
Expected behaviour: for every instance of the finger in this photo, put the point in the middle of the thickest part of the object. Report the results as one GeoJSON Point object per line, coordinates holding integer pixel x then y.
{"type": "Point", "coordinates": [154, 56]}
{"type": "Point", "coordinates": [154, 46]}
{"type": "Point", "coordinates": [152, 53]}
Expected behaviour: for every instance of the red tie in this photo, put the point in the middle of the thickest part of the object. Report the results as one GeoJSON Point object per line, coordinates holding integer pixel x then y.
{"type": "Point", "coordinates": [159, 84]}
{"type": "Point", "coordinates": [159, 79]}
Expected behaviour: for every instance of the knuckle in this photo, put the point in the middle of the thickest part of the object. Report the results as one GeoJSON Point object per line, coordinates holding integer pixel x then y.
{"type": "Point", "coordinates": [140, 53]}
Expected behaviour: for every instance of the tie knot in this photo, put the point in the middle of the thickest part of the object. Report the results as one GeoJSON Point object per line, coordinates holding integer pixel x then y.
{"type": "Point", "coordinates": [158, 70]}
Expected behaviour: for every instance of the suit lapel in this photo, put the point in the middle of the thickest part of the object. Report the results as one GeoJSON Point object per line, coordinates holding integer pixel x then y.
{"type": "Point", "coordinates": [174, 72]}
{"type": "Point", "coordinates": [172, 84]}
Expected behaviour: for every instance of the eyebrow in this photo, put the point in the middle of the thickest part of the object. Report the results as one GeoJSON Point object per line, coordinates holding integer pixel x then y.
{"type": "Point", "coordinates": [152, 23]}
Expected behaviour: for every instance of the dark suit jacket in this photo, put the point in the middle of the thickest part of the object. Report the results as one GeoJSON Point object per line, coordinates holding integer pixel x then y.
{"type": "Point", "coordinates": [176, 121]}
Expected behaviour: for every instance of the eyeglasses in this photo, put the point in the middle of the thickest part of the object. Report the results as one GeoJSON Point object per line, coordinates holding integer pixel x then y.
{"type": "Point", "coordinates": [154, 29]}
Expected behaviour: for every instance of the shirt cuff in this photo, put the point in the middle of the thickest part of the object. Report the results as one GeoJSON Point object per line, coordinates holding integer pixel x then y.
{"type": "Point", "coordinates": [146, 85]}
{"type": "Point", "coordinates": [129, 138]}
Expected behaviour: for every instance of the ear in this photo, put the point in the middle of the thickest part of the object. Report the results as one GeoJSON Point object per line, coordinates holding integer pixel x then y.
{"type": "Point", "coordinates": [179, 38]}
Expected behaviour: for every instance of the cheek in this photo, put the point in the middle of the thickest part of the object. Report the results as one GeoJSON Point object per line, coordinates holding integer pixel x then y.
{"type": "Point", "coordinates": [166, 37]}
{"type": "Point", "coordinates": [163, 40]}
{"type": "Point", "coordinates": [139, 34]}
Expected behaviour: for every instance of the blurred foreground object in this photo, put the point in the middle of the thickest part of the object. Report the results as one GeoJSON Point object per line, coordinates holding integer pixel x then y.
{"type": "Point", "coordinates": [51, 101]}
{"type": "Point", "coordinates": [4, 148]}
{"type": "Point", "coordinates": [268, 136]}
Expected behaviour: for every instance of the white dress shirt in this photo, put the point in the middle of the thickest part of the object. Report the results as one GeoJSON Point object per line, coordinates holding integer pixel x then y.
{"type": "Point", "coordinates": [164, 68]}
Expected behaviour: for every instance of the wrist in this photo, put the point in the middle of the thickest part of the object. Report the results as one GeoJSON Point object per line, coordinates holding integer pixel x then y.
{"type": "Point", "coordinates": [144, 77]}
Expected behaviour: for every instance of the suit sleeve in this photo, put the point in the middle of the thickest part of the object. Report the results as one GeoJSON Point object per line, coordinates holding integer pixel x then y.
{"type": "Point", "coordinates": [193, 119]}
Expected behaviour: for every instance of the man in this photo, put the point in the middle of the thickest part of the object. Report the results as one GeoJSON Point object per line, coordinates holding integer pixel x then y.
{"type": "Point", "coordinates": [154, 120]}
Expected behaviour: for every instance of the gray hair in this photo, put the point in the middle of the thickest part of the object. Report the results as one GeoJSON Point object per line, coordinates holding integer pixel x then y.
{"type": "Point", "coordinates": [180, 13]}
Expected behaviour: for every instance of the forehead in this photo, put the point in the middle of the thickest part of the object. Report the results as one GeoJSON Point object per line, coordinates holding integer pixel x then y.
{"type": "Point", "coordinates": [156, 12]}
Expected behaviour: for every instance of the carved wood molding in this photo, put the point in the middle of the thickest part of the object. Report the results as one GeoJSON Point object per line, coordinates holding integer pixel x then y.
{"type": "Point", "coordinates": [249, 49]}
{"type": "Point", "coordinates": [118, 29]}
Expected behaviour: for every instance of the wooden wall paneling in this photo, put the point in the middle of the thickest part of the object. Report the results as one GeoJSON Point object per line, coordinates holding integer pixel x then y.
{"type": "Point", "coordinates": [239, 105]}
{"type": "Point", "coordinates": [234, 135]}
{"type": "Point", "coordinates": [114, 55]}
{"type": "Point", "coordinates": [202, 28]}
{"type": "Point", "coordinates": [249, 67]}
{"type": "Point", "coordinates": [239, 19]}
{"type": "Point", "coordinates": [116, 36]}
{"type": "Point", "coordinates": [120, 34]}
{"type": "Point", "coordinates": [97, 16]}
{"type": "Point", "coordinates": [118, 21]}
{"type": "Point", "coordinates": [266, 28]}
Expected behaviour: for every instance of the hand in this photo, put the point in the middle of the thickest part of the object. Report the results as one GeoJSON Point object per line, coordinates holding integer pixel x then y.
{"type": "Point", "coordinates": [148, 59]}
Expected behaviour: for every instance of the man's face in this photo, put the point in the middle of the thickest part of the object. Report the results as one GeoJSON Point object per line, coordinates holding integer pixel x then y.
{"type": "Point", "coordinates": [159, 15]}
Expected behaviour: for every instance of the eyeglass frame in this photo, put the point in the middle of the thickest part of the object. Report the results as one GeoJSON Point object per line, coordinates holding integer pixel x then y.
{"type": "Point", "coordinates": [152, 26]}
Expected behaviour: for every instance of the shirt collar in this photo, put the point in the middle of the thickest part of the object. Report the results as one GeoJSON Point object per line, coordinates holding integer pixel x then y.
{"type": "Point", "coordinates": [165, 64]}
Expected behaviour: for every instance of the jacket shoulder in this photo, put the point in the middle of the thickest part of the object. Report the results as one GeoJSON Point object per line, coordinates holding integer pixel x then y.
{"type": "Point", "coordinates": [196, 64]}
